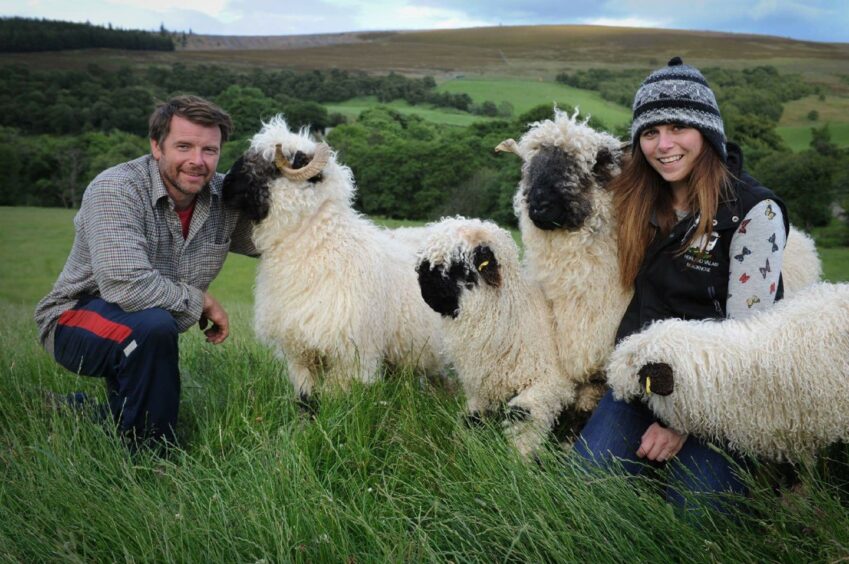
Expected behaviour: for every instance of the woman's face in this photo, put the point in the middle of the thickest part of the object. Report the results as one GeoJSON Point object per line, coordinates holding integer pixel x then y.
{"type": "Point", "coordinates": [672, 150]}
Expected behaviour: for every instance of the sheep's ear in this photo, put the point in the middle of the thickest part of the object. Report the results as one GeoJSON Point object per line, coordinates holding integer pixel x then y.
{"type": "Point", "coordinates": [487, 265]}
{"type": "Point", "coordinates": [244, 190]}
{"type": "Point", "coordinates": [604, 165]}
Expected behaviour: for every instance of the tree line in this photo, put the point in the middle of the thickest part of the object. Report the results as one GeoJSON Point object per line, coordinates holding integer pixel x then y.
{"type": "Point", "coordinates": [68, 102]}
{"type": "Point", "coordinates": [58, 129]}
{"type": "Point", "coordinates": [29, 34]}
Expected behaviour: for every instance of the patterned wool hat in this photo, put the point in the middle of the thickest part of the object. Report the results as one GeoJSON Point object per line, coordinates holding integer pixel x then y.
{"type": "Point", "coordinates": [678, 93]}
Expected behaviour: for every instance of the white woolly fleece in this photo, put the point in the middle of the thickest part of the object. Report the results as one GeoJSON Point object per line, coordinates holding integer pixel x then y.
{"type": "Point", "coordinates": [335, 294]}
{"type": "Point", "coordinates": [501, 342]}
{"type": "Point", "coordinates": [577, 270]}
{"type": "Point", "coordinates": [774, 385]}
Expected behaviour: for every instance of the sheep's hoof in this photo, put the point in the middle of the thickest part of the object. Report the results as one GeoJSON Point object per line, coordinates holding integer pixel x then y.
{"type": "Point", "coordinates": [308, 405]}
{"type": "Point", "coordinates": [516, 414]}
{"type": "Point", "coordinates": [473, 419]}
{"type": "Point", "coordinates": [656, 378]}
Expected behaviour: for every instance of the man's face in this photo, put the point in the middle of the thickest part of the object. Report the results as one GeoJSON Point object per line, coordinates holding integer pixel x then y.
{"type": "Point", "coordinates": [187, 157]}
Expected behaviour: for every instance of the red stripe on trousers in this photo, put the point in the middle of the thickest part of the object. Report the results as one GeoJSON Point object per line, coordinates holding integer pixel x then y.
{"type": "Point", "coordinates": [95, 323]}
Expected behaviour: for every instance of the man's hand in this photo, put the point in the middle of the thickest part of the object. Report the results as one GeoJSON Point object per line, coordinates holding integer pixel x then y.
{"type": "Point", "coordinates": [212, 311]}
{"type": "Point", "coordinates": [660, 444]}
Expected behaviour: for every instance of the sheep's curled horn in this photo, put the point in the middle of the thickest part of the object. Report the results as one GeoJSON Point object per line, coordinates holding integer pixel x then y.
{"type": "Point", "coordinates": [311, 169]}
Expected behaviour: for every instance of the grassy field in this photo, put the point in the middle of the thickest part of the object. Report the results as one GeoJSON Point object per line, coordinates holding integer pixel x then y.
{"type": "Point", "coordinates": [795, 126]}
{"type": "Point", "coordinates": [525, 94]}
{"type": "Point", "coordinates": [384, 473]}
{"type": "Point", "coordinates": [521, 94]}
{"type": "Point", "coordinates": [448, 116]}
{"type": "Point", "coordinates": [798, 137]}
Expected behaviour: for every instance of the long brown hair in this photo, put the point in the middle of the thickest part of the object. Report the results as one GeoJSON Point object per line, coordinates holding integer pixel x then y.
{"type": "Point", "coordinates": [640, 191]}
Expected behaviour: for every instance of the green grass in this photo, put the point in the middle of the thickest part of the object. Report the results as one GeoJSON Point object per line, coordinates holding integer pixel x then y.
{"type": "Point", "coordinates": [835, 263]}
{"type": "Point", "coordinates": [352, 109]}
{"type": "Point", "coordinates": [384, 473]}
{"type": "Point", "coordinates": [798, 137]}
{"type": "Point", "coordinates": [521, 94]}
{"type": "Point", "coordinates": [524, 94]}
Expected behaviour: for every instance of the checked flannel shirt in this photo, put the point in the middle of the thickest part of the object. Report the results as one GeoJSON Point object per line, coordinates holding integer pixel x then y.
{"type": "Point", "coordinates": [129, 247]}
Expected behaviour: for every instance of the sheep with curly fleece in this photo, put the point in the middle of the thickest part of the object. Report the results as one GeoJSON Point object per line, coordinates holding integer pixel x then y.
{"type": "Point", "coordinates": [335, 294]}
{"type": "Point", "coordinates": [568, 228]}
{"type": "Point", "coordinates": [775, 384]}
{"type": "Point", "coordinates": [497, 327]}
{"type": "Point", "coordinates": [566, 219]}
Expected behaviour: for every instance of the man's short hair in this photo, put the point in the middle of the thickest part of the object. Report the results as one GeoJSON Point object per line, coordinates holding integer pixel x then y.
{"type": "Point", "coordinates": [193, 108]}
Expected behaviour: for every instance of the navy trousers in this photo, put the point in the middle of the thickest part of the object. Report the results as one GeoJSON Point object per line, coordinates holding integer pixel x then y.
{"type": "Point", "coordinates": [613, 434]}
{"type": "Point", "coordinates": [137, 355]}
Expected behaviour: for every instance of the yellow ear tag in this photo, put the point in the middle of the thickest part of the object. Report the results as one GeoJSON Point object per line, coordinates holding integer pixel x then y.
{"type": "Point", "coordinates": [483, 264]}
{"type": "Point", "coordinates": [648, 385]}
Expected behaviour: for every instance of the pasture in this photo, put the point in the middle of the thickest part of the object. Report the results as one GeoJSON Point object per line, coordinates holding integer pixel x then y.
{"type": "Point", "coordinates": [524, 94]}
{"type": "Point", "coordinates": [384, 473]}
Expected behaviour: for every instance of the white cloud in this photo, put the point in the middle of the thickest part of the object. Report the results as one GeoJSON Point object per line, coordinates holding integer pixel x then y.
{"type": "Point", "coordinates": [626, 22]}
{"type": "Point", "coordinates": [208, 7]}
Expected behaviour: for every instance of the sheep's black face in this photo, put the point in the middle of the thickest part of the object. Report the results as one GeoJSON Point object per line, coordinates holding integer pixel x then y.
{"type": "Point", "coordinates": [246, 185]}
{"type": "Point", "coordinates": [441, 285]}
{"type": "Point", "coordinates": [558, 192]}
{"type": "Point", "coordinates": [300, 160]}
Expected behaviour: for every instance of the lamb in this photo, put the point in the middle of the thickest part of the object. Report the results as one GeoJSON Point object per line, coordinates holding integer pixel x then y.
{"type": "Point", "coordinates": [497, 327]}
{"type": "Point", "coordinates": [335, 294]}
{"type": "Point", "coordinates": [774, 385]}
{"type": "Point", "coordinates": [568, 229]}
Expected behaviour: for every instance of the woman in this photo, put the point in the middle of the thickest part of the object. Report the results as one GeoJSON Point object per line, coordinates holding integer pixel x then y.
{"type": "Point", "coordinates": [698, 239]}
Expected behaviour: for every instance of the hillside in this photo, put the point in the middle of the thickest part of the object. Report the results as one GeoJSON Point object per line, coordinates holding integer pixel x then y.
{"type": "Point", "coordinates": [539, 51]}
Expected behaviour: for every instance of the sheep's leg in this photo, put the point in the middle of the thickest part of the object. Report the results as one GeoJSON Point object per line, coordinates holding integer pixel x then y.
{"type": "Point", "coordinates": [342, 370]}
{"type": "Point", "coordinates": [474, 416]}
{"type": "Point", "coordinates": [541, 402]}
{"type": "Point", "coordinates": [366, 368]}
{"type": "Point", "coordinates": [532, 412]}
{"type": "Point", "coordinates": [300, 376]}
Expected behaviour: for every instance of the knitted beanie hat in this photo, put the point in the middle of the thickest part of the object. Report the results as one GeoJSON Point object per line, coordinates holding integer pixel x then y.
{"type": "Point", "coordinates": [678, 93]}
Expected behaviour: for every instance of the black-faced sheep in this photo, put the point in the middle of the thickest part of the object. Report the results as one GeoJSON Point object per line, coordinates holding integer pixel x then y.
{"type": "Point", "coordinates": [566, 220]}
{"type": "Point", "coordinates": [335, 294]}
{"type": "Point", "coordinates": [775, 384]}
{"type": "Point", "coordinates": [497, 326]}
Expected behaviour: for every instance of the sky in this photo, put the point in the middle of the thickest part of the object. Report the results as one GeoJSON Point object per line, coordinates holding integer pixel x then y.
{"type": "Point", "coordinates": [814, 20]}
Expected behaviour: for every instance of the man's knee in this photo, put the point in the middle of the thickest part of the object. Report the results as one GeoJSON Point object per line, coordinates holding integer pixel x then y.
{"type": "Point", "coordinates": [156, 325]}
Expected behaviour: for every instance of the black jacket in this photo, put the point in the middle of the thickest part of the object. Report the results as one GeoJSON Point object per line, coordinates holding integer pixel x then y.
{"type": "Point", "coordinates": [694, 285]}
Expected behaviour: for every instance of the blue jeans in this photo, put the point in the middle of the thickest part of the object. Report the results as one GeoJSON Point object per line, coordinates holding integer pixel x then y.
{"type": "Point", "coordinates": [613, 434]}
{"type": "Point", "coordinates": [135, 352]}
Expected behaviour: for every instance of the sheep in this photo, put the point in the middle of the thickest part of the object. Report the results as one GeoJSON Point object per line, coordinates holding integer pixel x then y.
{"type": "Point", "coordinates": [774, 385]}
{"type": "Point", "coordinates": [497, 328]}
{"type": "Point", "coordinates": [801, 266]}
{"type": "Point", "coordinates": [335, 294]}
{"type": "Point", "coordinates": [566, 220]}
{"type": "Point", "coordinates": [568, 228]}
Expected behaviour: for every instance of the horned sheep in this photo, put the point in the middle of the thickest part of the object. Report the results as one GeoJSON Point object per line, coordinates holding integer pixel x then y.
{"type": "Point", "coordinates": [335, 294]}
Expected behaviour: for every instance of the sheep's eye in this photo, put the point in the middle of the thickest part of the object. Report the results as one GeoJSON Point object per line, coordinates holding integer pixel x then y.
{"type": "Point", "coordinates": [300, 160]}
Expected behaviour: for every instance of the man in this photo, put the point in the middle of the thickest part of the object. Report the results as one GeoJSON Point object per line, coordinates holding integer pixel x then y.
{"type": "Point", "coordinates": [151, 234]}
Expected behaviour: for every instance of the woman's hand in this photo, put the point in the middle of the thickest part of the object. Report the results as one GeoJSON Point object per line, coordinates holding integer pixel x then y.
{"type": "Point", "coordinates": [660, 444]}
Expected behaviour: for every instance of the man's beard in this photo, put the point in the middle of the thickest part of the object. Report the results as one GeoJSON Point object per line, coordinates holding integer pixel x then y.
{"type": "Point", "coordinates": [179, 187]}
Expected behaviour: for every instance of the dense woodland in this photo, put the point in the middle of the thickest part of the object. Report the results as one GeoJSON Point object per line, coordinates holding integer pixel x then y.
{"type": "Point", "coordinates": [27, 35]}
{"type": "Point", "coordinates": [59, 128]}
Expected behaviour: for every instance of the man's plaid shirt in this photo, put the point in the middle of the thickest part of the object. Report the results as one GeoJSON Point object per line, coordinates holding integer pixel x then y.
{"type": "Point", "coordinates": [129, 247]}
